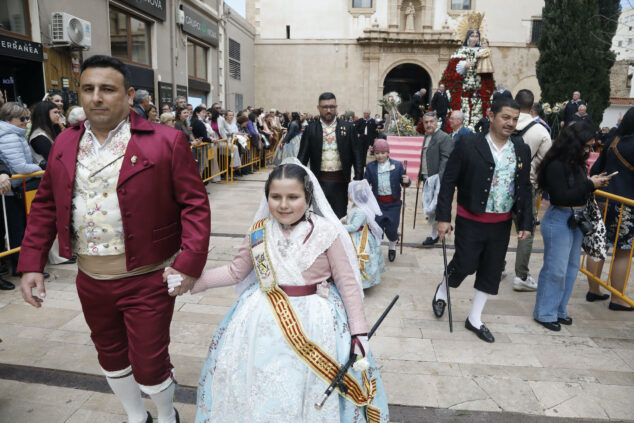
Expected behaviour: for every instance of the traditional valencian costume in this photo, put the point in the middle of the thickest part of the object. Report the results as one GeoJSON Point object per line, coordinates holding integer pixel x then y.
{"type": "Point", "coordinates": [284, 339]}
{"type": "Point", "coordinates": [366, 234]}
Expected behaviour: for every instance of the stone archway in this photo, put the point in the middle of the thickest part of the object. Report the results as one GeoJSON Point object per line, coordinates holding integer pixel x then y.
{"type": "Point", "coordinates": [406, 79]}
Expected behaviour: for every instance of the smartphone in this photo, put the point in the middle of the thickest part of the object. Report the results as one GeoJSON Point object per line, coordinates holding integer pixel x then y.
{"type": "Point", "coordinates": [612, 174]}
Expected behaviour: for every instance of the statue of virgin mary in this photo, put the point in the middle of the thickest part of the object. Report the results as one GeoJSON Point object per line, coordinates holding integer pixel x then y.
{"type": "Point", "coordinates": [470, 91]}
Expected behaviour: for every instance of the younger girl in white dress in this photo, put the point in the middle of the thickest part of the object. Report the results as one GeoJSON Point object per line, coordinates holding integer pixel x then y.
{"type": "Point", "coordinates": [284, 339]}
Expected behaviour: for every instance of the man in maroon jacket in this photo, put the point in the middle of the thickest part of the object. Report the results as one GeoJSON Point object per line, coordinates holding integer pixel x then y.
{"type": "Point", "coordinates": [125, 196]}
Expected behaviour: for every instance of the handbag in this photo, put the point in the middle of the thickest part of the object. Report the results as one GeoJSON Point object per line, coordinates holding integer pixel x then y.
{"type": "Point", "coordinates": [594, 243]}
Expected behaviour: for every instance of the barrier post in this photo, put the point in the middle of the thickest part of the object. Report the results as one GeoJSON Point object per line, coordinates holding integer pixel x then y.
{"type": "Point", "coordinates": [594, 276]}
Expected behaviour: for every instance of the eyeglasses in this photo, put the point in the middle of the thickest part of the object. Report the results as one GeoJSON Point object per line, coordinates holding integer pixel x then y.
{"type": "Point", "coordinates": [25, 118]}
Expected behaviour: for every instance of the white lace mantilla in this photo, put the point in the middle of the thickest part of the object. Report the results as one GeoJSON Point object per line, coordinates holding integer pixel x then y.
{"type": "Point", "coordinates": [289, 254]}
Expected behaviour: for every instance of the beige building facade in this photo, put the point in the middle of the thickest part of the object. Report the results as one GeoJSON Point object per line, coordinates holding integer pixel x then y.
{"type": "Point", "coordinates": [360, 49]}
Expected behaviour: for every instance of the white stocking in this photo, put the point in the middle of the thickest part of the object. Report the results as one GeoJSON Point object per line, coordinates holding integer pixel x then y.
{"type": "Point", "coordinates": [127, 391]}
{"type": "Point", "coordinates": [164, 401]}
{"type": "Point", "coordinates": [479, 300]}
{"type": "Point", "coordinates": [442, 291]}
{"type": "Point", "coordinates": [392, 245]}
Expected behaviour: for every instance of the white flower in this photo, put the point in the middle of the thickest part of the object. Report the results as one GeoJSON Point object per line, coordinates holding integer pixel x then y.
{"type": "Point", "coordinates": [361, 365]}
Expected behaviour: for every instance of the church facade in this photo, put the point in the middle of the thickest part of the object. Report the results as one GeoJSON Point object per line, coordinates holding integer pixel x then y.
{"type": "Point", "coordinates": [361, 49]}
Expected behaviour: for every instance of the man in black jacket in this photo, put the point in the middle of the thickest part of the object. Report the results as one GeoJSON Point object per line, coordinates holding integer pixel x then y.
{"type": "Point", "coordinates": [440, 103]}
{"type": "Point", "coordinates": [366, 128]}
{"type": "Point", "coordinates": [488, 190]}
{"type": "Point", "coordinates": [571, 108]}
{"type": "Point", "coordinates": [416, 105]}
{"type": "Point", "coordinates": [332, 148]}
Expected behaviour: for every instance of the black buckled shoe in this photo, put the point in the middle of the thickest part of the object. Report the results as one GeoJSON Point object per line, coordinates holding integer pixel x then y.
{"type": "Point", "coordinates": [483, 333]}
{"type": "Point", "coordinates": [554, 326]}
{"type": "Point", "coordinates": [565, 321]}
{"type": "Point", "coordinates": [429, 242]}
{"type": "Point", "coordinates": [438, 306]}
{"type": "Point", "coordinates": [391, 255]}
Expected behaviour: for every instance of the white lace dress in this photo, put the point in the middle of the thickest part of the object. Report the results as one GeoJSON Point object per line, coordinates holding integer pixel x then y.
{"type": "Point", "coordinates": [252, 374]}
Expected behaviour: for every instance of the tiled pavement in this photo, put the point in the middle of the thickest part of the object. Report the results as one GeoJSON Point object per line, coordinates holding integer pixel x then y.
{"type": "Point", "coordinates": [584, 371]}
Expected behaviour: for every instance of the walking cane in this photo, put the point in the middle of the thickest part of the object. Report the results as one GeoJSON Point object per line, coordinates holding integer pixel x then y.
{"type": "Point", "coordinates": [444, 256]}
{"type": "Point", "coordinates": [336, 382]}
{"type": "Point", "coordinates": [416, 206]}
{"type": "Point", "coordinates": [403, 209]}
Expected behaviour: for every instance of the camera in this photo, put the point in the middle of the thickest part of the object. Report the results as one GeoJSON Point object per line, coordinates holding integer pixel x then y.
{"type": "Point", "coordinates": [579, 220]}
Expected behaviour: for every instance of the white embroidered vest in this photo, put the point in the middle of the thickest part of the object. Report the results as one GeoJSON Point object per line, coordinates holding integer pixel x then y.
{"type": "Point", "coordinates": [96, 217]}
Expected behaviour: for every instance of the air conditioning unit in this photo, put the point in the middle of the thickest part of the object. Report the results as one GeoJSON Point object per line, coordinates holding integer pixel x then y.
{"type": "Point", "coordinates": [69, 30]}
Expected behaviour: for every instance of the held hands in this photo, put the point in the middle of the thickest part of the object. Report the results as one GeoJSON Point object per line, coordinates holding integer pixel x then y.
{"type": "Point", "coordinates": [405, 180]}
{"type": "Point", "coordinates": [600, 180]}
{"type": "Point", "coordinates": [177, 283]}
{"type": "Point", "coordinates": [470, 64]}
{"type": "Point", "coordinates": [522, 235]}
{"type": "Point", "coordinates": [29, 281]}
{"type": "Point", "coordinates": [444, 228]}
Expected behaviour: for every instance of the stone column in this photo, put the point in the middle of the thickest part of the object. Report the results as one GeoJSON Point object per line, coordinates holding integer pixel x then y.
{"type": "Point", "coordinates": [440, 13]}
{"type": "Point", "coordinates": [428, 14]}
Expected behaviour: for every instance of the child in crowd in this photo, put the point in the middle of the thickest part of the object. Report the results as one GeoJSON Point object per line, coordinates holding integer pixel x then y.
{"type": "Point", "coordinates": [386, 176]}
{"type": "Point", "coordinates": [366, 234]}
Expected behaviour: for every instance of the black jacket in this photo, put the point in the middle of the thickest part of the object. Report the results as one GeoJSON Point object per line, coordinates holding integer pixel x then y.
{"type": "Point", "coordinates": [440, 103]}
{"type": "Point", "coordinates": [483, 125]}
{"type": "Point", "coordinates": [360, 125]}
{"type": "Point", "coordinates": [311, 145]}
{"type": "Point", "coordinates": [414, 107]}
{"type": "Point", "coordinates": [470, 169]}
{"type": "Point", "coordinates": [570, 110]}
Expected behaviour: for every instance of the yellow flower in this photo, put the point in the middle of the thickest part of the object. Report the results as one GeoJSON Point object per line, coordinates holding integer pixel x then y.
{"type": "Point", "coordinates": [546, 106]}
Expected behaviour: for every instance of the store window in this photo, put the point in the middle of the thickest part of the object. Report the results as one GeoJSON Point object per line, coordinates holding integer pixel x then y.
{"type": "Point", "coordinates": [234, 59]}
{"type": "Point", "coordinates": [129, 38]}
{"type": "Point", "coordinates": [196, 60]}
{"type": "Point", "coordinates": [14, 17]}
{"type": "Point", "coordinates": [461, 4]}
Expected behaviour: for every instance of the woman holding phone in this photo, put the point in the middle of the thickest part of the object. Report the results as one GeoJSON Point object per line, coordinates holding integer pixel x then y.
{"type": "Point", "coordinates": [617, 159]}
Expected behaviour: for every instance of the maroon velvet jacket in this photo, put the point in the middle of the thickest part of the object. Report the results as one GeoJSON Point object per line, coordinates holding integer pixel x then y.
{"type": "Point", "coordinates": [164, 205]}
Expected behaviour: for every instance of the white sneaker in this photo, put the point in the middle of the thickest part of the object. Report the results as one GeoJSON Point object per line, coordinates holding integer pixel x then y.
{"type": "Point", "coordinates": [504, 273]}
{"type": "Point", "coordinates": [523, 286]}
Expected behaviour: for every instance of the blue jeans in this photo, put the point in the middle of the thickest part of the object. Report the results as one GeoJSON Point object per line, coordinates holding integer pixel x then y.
{"type": "Point", "coordinates": [562, 255]}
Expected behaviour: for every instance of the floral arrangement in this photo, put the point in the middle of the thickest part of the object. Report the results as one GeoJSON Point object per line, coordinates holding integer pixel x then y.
{"type": "Point", "coordinates": [553, 116]}
{"type": "Point", "coordinates": [400, 125]}
{"type": "Point", "coordinates": [475, 101]}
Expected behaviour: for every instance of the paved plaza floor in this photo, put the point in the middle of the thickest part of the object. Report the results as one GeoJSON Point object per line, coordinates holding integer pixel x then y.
{"type": "Point", "coordinates": [49, 371]}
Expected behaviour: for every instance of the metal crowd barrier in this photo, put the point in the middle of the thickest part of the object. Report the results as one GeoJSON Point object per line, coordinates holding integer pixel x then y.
{"type": "Point", "coordinates": [213, 159]}
{"type": "Point", "coordinates": [28, 199]}
{"type": "Point", "coordinates": [595, 274]}
{"type": "Point", "coordinates": [249, 156]}
{"type": "Point", "coordinates": [268, 156]}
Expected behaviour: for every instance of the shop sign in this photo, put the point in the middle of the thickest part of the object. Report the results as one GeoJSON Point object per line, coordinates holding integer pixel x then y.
{"type": "Point", "coordinates": [155, 8]}
{"type": "Point", "coordinates": [165, 93]}
{"type": "Point", "coordinates": [22, 49]}
{"type": "Point", "coordinates": [181, 90]}
{"type": "Point", "coordinates": [200, 27]}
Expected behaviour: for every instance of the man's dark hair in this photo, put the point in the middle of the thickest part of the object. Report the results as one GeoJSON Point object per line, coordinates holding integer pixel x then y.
{"type": "Point", "coordinates": [537, 109]}
{"type": "Point", "coordinates": [503, 101]}
{"type": "Point", "coordinates": [102, 61]}
{"type": "Point", "coordinates": [525, 99]}
{"type": "Point", "coordinates": [326, 96]}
